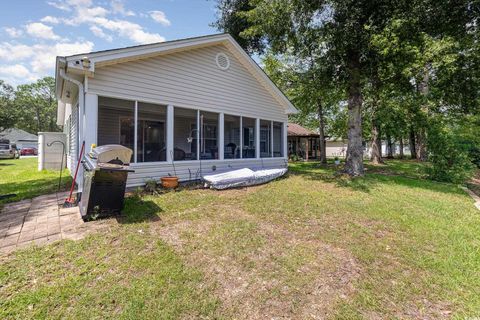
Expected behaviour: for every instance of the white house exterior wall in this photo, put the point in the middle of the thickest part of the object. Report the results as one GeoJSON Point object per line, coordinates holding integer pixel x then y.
{"type": "Point", "coordinates": [189, 79]}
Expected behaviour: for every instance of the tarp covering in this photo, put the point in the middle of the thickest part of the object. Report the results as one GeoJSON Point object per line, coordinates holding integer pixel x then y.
{"type": "Point", "coordinates": [242, 178]}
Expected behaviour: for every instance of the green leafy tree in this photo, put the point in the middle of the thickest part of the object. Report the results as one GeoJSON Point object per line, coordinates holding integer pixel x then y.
{"type": "Point", "coordinates": [340, 31]}
{"type": "Point", "coordinates": [8, 115]}
{"type": "Point", "coordinates": [37, 106]}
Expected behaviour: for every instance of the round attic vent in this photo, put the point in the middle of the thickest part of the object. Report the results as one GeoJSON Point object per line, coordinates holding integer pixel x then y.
{"type": "Point", "coordinates": [222, 61]}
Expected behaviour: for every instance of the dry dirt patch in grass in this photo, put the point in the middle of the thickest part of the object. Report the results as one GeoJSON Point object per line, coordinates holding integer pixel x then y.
{"type": "Point", "coordinates": [261, 269]}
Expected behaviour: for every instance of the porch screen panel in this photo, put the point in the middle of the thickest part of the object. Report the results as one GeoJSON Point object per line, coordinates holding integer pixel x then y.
{"type": "Point", "coordinates": [265, 139]}
{"type": "Point", "coordinates": [151, 135]}
{"type": "Point", "coordinates": [208, 136]}
{"type": "Point", "coordinates": [185, 134]}
{"type": "Point", "coordinates": [115, 122]}
{"type": "Point", "coordinates": [278, 139]}
{"type": "Point", "coordinates": [248, 137]}
{"type": "Point", "coordinates": [231, 137]}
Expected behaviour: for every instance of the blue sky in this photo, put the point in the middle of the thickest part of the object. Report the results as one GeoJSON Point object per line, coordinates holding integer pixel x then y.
{"type": "Point", "coordinates": [33, 32]}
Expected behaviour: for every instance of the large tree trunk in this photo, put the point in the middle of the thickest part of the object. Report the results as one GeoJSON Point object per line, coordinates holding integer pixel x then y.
{"type": "Point", "coordinates": [413, 151]}
{"type": "Point", "coordinates": [401, 147]}
{"type": "Point", "coordinates": [389, 147]}
{"type": "Point", "coordinates": [421, 143]}
{"type": "Point", "coordinates": [321, 129]}
{"type": "Point", "coordinates": [354, 162]}
{"type": "Point", "coordinates": [376, 144]}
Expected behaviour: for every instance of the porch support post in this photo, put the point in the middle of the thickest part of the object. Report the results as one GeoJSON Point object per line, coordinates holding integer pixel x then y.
{"type": "Point", "coordinates": [221, 137]}
{"type": "Point", "coordinates": [91, 120]}
{"type": "Point", "coordinates": [198, 134]}
{"type": "Point", "coordinates": [241, 137]}
{"type": "Point", "coordinates": [135, 133]}
{"type": "Point", "coordinates": [271, 139]}
{"type": "Point", "coordinates": [307, 149]}
{"type": "Point", "coordinates": [170, 132]}
{"type": "Point", "coordinates": [284, 139]}
{"type": "Point", "coordinates": [257, 138]}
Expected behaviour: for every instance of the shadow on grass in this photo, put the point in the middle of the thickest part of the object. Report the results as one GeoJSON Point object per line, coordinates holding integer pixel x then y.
{"type": "Point", "coordinates": [5, 164]}
{"type": "Point", "coordinates": [410, 174]}
{"type": "Point", "coordinates": [137, 210]}
{"type": "Point", "coordinates": [32, 188]}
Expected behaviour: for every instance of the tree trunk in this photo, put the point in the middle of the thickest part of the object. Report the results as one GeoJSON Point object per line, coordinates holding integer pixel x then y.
{"type": "Point", "coordinates": [376, 144]}
{"type": "Point", "coordinates": [321, 127]}
{"type": "Point", "coordinates": [413, 151]}
{"type": "Point", "coordinates": [354, 162]}
{"type": "Point", "coordinates": [421, 143]}
{"type": "Point", "coordinates": [389, 147]}
{"type": "Point", "coordinates": [401, 147]}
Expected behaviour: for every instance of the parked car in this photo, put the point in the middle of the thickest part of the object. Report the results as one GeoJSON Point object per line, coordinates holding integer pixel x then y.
{"type": "Point", "coordinates": [29, 151]}
{"type": "Point", "coordinates": [9, 151]}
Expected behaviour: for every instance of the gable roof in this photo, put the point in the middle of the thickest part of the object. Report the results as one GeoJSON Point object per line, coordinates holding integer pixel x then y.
{"type": "Point", "coordinates": [297, 130]}
{"type": "Point", "coordinates": [75, 63]}
{"type": "Point", "coordinates": [15, 135]}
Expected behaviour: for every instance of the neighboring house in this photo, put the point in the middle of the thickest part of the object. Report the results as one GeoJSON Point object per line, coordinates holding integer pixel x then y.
{"type": "Point", "coordinates": [301, 139]}
{"type": "Point", "coordinates": [20, 137]}
{"type": "Point", "coordinates": [187, 107]}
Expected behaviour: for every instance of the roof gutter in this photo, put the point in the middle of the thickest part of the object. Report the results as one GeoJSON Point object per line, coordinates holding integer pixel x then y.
{"type": "Point", "coordinates": [81, 99]}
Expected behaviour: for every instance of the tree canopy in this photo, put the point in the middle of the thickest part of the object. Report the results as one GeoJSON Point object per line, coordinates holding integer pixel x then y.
{"type": "Point", "coordinates": [30, 107]}
{"type": "Point", "coordinates": [389, 70]}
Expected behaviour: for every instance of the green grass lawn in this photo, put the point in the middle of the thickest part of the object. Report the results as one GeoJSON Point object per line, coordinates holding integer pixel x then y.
{"type": "Point", "coordinates": [312, 245]}
{"type": "Point", "coordinates": [21, 177]}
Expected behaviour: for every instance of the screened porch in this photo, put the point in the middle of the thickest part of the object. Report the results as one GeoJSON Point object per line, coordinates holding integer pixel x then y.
{"type": "Point", "coordinates": [161, 133]}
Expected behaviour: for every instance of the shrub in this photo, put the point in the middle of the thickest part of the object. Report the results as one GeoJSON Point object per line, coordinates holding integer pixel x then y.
{"type": "Point", "coordinates": [449, 156]}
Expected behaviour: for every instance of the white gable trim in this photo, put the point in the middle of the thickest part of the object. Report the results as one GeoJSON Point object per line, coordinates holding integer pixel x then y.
{"type": "Point", "coordinates": [75, 63]}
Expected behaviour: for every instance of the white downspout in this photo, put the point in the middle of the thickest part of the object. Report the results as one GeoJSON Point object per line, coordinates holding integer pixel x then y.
{"type": "Point", "coordinates": [81, 107]}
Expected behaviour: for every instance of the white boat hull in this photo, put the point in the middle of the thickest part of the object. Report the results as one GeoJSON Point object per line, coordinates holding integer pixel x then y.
{"type": "Point", "coordinates": [242, 178]}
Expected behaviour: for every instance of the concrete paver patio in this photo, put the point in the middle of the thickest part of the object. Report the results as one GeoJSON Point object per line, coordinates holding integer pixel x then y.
{"type": "Point", "coordinates": [40, 221]}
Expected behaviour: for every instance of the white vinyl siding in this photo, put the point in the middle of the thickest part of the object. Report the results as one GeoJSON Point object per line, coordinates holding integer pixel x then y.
{"type": "Point", "coordinates": [73, 140]}
{"type": "Point", "coordinates": [190, 170]}
{"type": "Point", "coordinates": [189, 79]}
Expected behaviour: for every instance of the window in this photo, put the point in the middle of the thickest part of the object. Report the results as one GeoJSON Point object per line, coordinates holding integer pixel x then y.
{"type": "Point", "coordinates": [278, 139]}
{"type": "Point", "coordinates": [231, 137]}
{"type": "Point", "coordinates": [151, 134]}
{"type": "Point", "coordinates": [248, 137]}
{"type": "Point", "coordinates": [115, 122]}
{"type": "Point", "coordinates": [185, 134]}
{"type": "Point", "coordinates": [208, 136]}
{"type": "Point", "coordinates": [265, 139]}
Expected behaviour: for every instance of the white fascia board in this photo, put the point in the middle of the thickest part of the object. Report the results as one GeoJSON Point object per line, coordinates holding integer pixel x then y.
{"type": "Point", "coordinates": [140, 52]}
{"type": "Point", "coordinates": [107, 57]}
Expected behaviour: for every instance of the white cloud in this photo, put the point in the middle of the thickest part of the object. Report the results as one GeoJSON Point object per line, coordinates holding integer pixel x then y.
{"type": "Point", "coordinates": [50, 19]}
{"type": "Point", "coordinates": [100, 33]}
{"type": "Point", "coordinates": [15, 70]}
{"type": "Point", "coordinates": [34, 62]}
{"type": "Point", "coordinates": [42, 31]}
{"type": "Point", "coordinates": [160, 17]}
{"type": "Point", "coordinates": [119, 8]}
{"type": "Point", "coordinates": [59, 5]}
{"type": "Point", "coordinates": [98, 21]}
{"type": "Point", "coordinates": [15, 52]}
{"type": "Point", "coordinates": [44, 58]}
{"type": "Point", "coordinates": [13, 32]}
{"type": "Point", "coordinates": [129, 30]}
